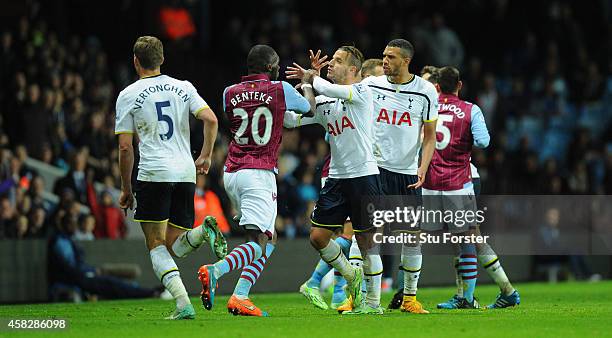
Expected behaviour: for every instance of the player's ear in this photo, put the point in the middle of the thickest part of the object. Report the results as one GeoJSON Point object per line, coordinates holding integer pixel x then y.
{"type": "Point", "coordinates": [459, 85]}
{"type": "Point", "coordinates": [136, 62]}
{"type": "Point", "coordinates": [437, 88]}
{"type": "Point", "coordinates": [162, 61]}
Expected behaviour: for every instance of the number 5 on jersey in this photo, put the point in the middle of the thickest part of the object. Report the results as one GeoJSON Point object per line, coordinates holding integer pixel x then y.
{"type": "Point", "coordinates": [444, 130]}
{"type": "Point", "coordinates": [261, 140]}
{"type": "Point", "coordinates": [164, 118]}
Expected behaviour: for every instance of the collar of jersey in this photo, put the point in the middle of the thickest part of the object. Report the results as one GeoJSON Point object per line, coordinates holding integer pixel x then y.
{"type": "Point", "coordinates": [402, 84]}
{"type": "Point", "coordinates": [256, 77]}
{"type": "Point", "coordinates": [150, 77]}
{"type": "Point", "coordinates": [447, 97]}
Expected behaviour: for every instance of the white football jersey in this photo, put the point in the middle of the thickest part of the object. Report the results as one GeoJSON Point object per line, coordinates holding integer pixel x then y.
{"type": "Point", "coordinates": [157, 109]}
{"type": "Point", "coordinates": [400, 110]}
{"type": "Point", "coordinates": [349, 120]}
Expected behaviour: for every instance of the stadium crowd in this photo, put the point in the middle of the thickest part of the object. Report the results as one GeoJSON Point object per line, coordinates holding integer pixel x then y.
{"type": "Point", "coordinates": [545, 88]}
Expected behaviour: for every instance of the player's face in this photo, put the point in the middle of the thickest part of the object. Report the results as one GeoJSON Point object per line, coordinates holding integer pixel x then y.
{"type": "Point", "coordinates": [394, 61]}
{"type": "Point", "coordinates": [338, 67]}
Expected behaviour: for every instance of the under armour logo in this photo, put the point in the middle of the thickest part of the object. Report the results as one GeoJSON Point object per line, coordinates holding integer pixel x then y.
{"type": "Point", "coordinates": [326, 112]}
{"type": "Point", "coordinates": [381, 97]}
{"type": "Point", "coordinates": [274, 196]}
{"type": "Point", "coordinates": [410, 105]}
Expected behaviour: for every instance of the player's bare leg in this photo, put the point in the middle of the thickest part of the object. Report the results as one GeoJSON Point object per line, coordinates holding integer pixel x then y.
{"type": "Point", "coordinates": [182, 241]}
{"type": "Point", "coordinates": [165, 268]}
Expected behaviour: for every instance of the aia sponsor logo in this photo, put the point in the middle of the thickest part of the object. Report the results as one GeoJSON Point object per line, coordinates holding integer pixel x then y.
{"type": "Point", "coordinates": [394, 117]}
{"type": "Point", "coordinates": [339, 126]}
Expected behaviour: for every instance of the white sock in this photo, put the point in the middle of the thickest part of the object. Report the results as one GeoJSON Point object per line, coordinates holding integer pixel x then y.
{"type": "Point", "coordinates": [166, 270]}
{"type": "Point", "coordinates": [490, 262]}
{"type": "Point", "coordinates": [372, 271]}
{"type": "Point", "coordinates": [411, 264]}
{"type": "Point", "coordinates": [189, 241]}
{"type": "Point", "coordinates": [356, 260]}
{"type": "Point", "coordinates": [332, 254]}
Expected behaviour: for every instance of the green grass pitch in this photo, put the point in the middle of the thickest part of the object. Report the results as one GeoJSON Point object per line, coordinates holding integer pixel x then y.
{"type": "Point", "coordinates": [562, 310]}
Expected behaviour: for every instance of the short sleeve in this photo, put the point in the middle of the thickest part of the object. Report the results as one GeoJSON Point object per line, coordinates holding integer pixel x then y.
{"type": "Point", "coordinates": [430, 108]}
{"type": "Point", "coordinates": [196, 102]}
{"type": "Point", "coordinates": [124, 121]}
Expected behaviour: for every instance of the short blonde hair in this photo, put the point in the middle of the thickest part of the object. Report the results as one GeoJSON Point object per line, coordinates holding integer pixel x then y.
{"type": "Point", "coordinates": [149, 51]}
{"type": "Point", "coordinates": [369, 65]}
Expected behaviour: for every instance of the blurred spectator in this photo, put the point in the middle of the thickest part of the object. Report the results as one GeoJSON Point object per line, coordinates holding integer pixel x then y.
{"type": "Point", "coordinates": [67, 269]}
{"type": "Point", "coordinates": [111, 219]}
{"type": "Point", "coordinates": [35, 120]}
{"type": "Point", "coordinates": [443, 44]}
{"type": "Point", "coordinates": [487, 99]}
{"type": "Point", "coordinates": [38, 223]}
{"type": "Point", "coordinates": [75, 179]}
{"type": "Point", "coordinates": [87, 223]}
{"type": "Point", "coordinates": [550, 239]}
{"type": "Point", "coordinates": [21, 227]}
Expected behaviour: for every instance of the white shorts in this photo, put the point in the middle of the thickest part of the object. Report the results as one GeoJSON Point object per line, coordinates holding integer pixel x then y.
{"type": "Point", "coordinates": [253, 192]}
{"type": "Point", "coordinates": [456, 206]}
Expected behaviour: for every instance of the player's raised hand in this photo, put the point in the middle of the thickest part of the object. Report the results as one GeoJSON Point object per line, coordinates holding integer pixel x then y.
{"type": "Point", "coordinates": [317, 62]}
{"type": "Point", "coordinates": [126, 200]}
{"type": "Point", "coordinates": [295, 72]}
{"type": "Point", "coordinates": [421, 179]}
{"type": "Point", "coordinates": [202, 165]}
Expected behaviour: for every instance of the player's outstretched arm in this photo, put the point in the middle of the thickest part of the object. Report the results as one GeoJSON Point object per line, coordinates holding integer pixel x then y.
{"type": "Point", "coordinates": [211, 126]}
{"type": "Point", "coordinates": [321, 86]}
{"type": "Point", "coordinates": [293, 120]}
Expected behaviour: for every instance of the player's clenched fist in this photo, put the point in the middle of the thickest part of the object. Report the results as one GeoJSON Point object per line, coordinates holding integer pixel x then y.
{"type": "Point", "coordinates": [202, 165]}
{"type": "Point", "coordinates": [126, 200]}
